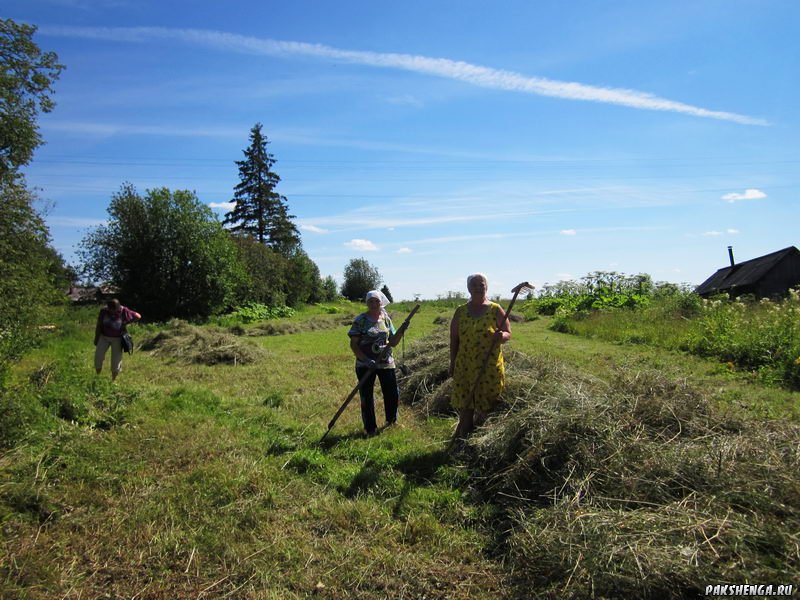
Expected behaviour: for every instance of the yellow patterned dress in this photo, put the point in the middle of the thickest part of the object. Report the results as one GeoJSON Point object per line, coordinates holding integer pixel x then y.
{"type": "Point", "coordinates": [474, 335]}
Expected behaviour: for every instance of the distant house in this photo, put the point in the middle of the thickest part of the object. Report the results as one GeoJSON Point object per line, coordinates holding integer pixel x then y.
{"type": "Point", "coordinates": [91, 294]}
{"type": "Point", "coordinates": [768, 276]}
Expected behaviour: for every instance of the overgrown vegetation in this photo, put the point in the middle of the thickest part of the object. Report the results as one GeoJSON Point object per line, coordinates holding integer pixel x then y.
{"type": "Point", "coordinates": [597, 290]}
{"type": "Point", "coordinates": [761, 338]}
{"type": "Point", "coordinates": [253, 312]}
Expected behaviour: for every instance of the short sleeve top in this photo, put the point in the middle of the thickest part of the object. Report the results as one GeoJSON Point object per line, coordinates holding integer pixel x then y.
{"type": "Point", "coordinates": [113, 323]}
{"type": "Point", "coordinates": [374, 336]}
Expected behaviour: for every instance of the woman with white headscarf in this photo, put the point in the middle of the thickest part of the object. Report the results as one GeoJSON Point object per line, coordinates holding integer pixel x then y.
{"type": "Point", "coordinates": [371, 340]}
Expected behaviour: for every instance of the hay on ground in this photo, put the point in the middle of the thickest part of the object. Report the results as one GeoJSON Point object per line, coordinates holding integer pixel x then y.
{"type": "Point", "coordinates": [190, 344]}
{"type": "Point", "coordinates": [289, 328]}
{"type": "Point", "coordinates": [427, 360]}
{"type": "Point", "coordinates": [631, 485]}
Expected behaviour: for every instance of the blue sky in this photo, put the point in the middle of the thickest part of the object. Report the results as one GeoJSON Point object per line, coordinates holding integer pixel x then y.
{"type": "Point", "coordinates": [529, 140]}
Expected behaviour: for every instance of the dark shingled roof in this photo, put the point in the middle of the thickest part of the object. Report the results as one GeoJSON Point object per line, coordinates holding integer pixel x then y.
{"type": "Point", "coordinates": [745, 273]}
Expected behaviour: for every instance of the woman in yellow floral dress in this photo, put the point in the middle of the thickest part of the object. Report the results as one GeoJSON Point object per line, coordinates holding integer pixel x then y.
{"type": "Point", "coordinates": [478, 329]}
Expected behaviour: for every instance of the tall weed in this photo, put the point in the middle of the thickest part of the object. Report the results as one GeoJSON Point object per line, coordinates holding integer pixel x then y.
{"type": "Point", "coordinates": [763, 337]}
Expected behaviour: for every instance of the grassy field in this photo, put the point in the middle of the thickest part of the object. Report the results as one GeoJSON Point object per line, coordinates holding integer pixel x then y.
{"type": "Point", "coordinates": [191, 480]}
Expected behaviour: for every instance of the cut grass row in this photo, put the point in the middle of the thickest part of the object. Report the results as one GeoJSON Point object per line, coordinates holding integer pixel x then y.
{"type": "Point", "coordinates": [209, 480]}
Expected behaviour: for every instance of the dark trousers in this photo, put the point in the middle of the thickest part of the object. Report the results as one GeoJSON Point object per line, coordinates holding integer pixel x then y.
{"type": "Point", "coordinates": [391, 396]}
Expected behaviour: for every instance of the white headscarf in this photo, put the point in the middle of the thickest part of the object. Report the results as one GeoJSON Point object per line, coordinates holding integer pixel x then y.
{"type": "Point", "coordinates": [379, 295]}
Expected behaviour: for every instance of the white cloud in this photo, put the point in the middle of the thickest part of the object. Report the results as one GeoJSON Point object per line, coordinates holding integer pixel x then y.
{"type": "Point", "coordinates": [715, 233]}
{"type": "Point", "coordinates": [313, 229]}
{"type": "Point", "coordinates": [223, 205]}
{"type": "Point", "coordinates": [365, 245]}
{"type": "Point", "coordinates": [564, 276]}
{"type": "Point", "coordinates": [441, 67]}
{"type": "Point", "coordinates": [568, 232]}
{"type": "Point", "coordinates": [749, 194]}
{"type": "Point", "coordinates": [404, 250]}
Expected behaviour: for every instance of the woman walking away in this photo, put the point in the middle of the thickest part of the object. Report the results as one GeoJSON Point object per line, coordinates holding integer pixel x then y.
{"type": "Point", "coordinates": [372, 336]}
{"type": "Point", "coordinates": [477, 330]}
{"type": "Point", "coordinates": [111, 324]}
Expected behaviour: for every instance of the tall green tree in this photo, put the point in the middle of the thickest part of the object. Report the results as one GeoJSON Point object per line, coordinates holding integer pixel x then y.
{"type": "Point", "coordinates": [266, 273]}
{"type": "Point", "coordinates": [329, 289]}
{"type": "Point", "coordinates": [167, 252]}
{"type": "Point", "coordinates": [359, 278]}
{"type": "Point", "coordinates": [31, 271]}
{"type": "Point", "coordinates": [26, 84]}
{"type": "Point", "coordinates": [303, 281]}
{"type": "Point", "coordinates": [260, 211]}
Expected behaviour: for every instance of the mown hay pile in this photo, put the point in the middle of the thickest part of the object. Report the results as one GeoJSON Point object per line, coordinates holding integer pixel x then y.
{"type": "Point", "coordinates": [288, 328]}
{"type": "Point", "coordinates": [633, 486]}
{"type": "Point", "coordinates": [427, 385]}
{"type": "Point", "coordinates": [186, 343]}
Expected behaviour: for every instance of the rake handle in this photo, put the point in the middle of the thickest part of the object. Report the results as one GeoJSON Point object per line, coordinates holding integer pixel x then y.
{"type": "Point", "coordinates": [396, 337]}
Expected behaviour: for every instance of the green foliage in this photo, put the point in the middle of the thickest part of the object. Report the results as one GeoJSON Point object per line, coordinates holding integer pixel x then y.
{"type": "Point", "coordinates": [359, 278]}
{"type": "Point", "coordinates": [32, 274]}
{"type": "Point", "coordinates": [329, 289]}
{"type": "Point", "coordinates": [260, 211]}
{"type": "Point", "coordinates": [30, 270]}
{"type": "Point", "coordinates": [253, 312]}
{"type": "Point", "coordinates": [26, 78]}
{"type": "Point", "coordinates": [303, 282]}
{"type": "Point", "coordinates": [596, 291]}
{"type": "Point", "coordinates": [266, 272]}
{"type": "Point", "coordinates": [276, 279]}
{"type": "Point", "coordinates": [167, 253]}
{"type": "Point", "coordinates": [762, 337]}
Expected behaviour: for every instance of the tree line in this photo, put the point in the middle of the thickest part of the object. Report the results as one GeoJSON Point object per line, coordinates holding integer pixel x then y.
{"type": "Point", "coordinates": [170, 256]}
{"type": "Point", "coordinates": [164, 250]}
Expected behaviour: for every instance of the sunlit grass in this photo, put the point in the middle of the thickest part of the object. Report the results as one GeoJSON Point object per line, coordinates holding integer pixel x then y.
{"type": "Point", "coordinates": [186, 480]}
{"type": "Point", "coordinates": [214, 480]}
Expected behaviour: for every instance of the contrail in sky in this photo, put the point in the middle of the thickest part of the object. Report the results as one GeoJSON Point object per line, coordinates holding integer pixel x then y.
{"type": "Point", "coordinates": [441, 67]}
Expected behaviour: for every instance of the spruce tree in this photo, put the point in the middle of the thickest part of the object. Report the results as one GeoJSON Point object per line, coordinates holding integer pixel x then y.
{"type": "Point", "coordinates": [260, 211]}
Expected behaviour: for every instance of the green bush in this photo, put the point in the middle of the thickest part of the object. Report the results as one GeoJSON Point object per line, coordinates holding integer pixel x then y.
{"type": "Point", "coordinates": [253, 312]}
{"type": "Point", "coordinates": [763, 337]}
